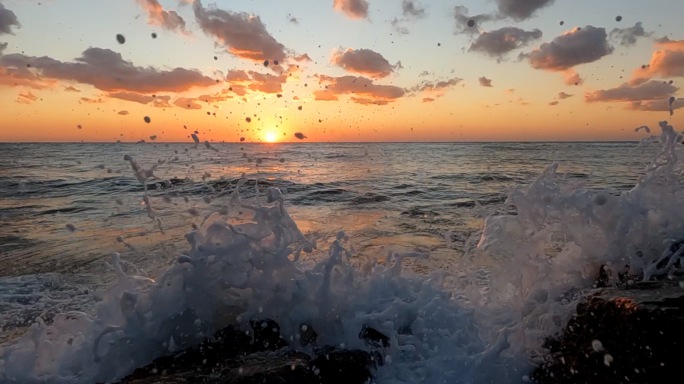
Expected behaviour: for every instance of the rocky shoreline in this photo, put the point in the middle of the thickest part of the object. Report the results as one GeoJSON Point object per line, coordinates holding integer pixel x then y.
{"type": "Point", "coordinates": [234, 356]}
{"type": "Point", "coordinates": [619, 335]}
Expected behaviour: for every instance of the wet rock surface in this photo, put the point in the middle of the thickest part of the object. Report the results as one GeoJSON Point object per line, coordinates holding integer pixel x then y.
{"type": "Point", "coordinates": [234, 356]}
{"type": "Point", "coordinates": [619, 335]}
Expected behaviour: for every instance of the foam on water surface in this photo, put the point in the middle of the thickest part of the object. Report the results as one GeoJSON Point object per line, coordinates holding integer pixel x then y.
{"type": "Point", "coordinates": [234, 273]}
{"type": "Point", "coordinates": [477, 326]}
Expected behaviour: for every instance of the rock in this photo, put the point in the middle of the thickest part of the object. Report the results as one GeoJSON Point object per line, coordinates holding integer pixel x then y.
{"type": "Point", "coordinates": [630, 335]}
{"type": "Point", "coordinates": [373, 337]}
{"type": "Point", "coordinates": [232, 356]}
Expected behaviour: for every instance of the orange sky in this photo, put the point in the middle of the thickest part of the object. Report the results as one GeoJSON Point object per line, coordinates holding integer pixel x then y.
{"type": "Point", "coordinates": [415, 71]}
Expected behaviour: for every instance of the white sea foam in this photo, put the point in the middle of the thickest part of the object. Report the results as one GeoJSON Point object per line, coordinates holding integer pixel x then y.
{"type": "Point", "coordinates": [555, 244]}
{"type": "Point", "coordinates": [517, 287]}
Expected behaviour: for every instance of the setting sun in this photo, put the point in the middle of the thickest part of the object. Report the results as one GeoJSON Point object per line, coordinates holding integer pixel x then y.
{"type": "Point", "coordinates": [270, 137]}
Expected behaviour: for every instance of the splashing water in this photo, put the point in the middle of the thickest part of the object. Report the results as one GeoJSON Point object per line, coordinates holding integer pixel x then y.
{"type": "Point", "coordinates": [233, 273]}
{"type": "Point", "coordinates": [553, 247]}
{"type": "Point", "coordinates": [518, 286]}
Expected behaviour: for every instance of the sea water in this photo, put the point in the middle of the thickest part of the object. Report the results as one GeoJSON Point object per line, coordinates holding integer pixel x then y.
{"type": "Point", "coordinates": [479, 259]}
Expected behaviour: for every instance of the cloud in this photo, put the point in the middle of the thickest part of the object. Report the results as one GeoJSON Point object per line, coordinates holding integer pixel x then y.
{"type": "Point", "coordinates": [410, 9]}
{"type": "Point", "coordinates": [22, 77]}
{"type": "Point", "coordinates": [7, 20]}
{"type": "Point", "coordinates": [363, 89]}
{"type": "Point", "coordinates": [105, 70]}
{"type": "Point", "coordinates": [132, 96]}
{"type": "Point", "coordinates": [579, 46]}
{"type": "Point", "coordinates": [435, 90]}
{"type": "Point", "coordinates": [353, 9]}
{"type": "Point", "coordinates": [238, 89]}
{"type": "Point", "coordinates": [485, 82]}
{"type": "Point", "coordinates": [438, 86]}
{"type": "Point", "coordinates": [572, 78]}
{"type": "Point", "coordinates": [240, 81]}
{"type": "Point", "coordinates": [463, 20]}
{"type": "Point", "coordinates": [156, 15]}
{"type": "Point", "coordinates": [71, 89]}
{"type": "Point", "coordinates": [216, 97]}
{"type": "Point", "coordinates": [266, 83]}
{"type": "Point", "coordinates": [517, 10]}
{"type": "Point", "coordinates": [650, 90]}
{"type": "Point", "coordinates": [26, 98]}
{"type": "Point", "coordinates": [303, 57]}
{"type": "Point", "coordinates": [501, 41]}
{"type": "Point", "coordinates": [364, 101]}
{"type": "Point", "coordinates": [520, 9]}
{"type": "Point", "coordinates": [159, 101]}
{"type": "Point", "coordinates": [655, 105]}
{"type": "Point", "coordinates": [628, 36]}
{"type": "Point", "coordinates": [88, 100]}
{"type": "Point", "coordinates": [563, 95]}
{"type": "Point", "coordinates": [396, 24]}
{"type": "Point", "coordinates": [362, 61]}
{"type": "Point", "coordinates": [187, 103]}
{"type": "Point", "coordinates": [667, 61]}
{"type": "Point", "coordinates": [242, 34]}
{"type": "Point", "coordinates": [235, 75]}
{"type": "Point", "coordinates": [428, 99]}
{"type": "Point", "coordinates": [162, 101]}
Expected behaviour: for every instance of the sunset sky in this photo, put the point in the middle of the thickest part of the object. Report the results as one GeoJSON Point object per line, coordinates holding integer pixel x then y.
{"type": "Point", "coordinates": [339, 70]}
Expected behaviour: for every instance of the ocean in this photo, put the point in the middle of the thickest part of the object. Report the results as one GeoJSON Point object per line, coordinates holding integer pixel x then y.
{"type": "Point", "coordinates": [482, 249]}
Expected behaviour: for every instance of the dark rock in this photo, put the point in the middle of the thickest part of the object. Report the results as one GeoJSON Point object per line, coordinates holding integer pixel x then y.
{"type": "Point", "coordinates": [336, 366]}
{"type": "Point", "coordinates": [619, 336]}
{"type": "Point", "coordinates": [603, 280]}
{"type": "Point", "coordinates": [373, 337]}
{"type": "Point", "coordinates": [266, 335]}
{"type": "Point", "coordinates": [307, 335]}
{"type": "Point", "coordinates": [233, 356]}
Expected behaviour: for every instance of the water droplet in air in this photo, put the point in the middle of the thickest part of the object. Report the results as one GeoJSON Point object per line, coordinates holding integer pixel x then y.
{"type": "Point", "coordinates": [618, 18]}
{"type": "Point", "coordinates": [147, 119]}
{"type": "Point", "coordinates": [70, 227]}
{"type": "Point", "coordinates": [154, 35]}
{"type": "Point", "coordinates": [248, 119]}
{"type": "Point", "coordinates": [120, 38]}
{"type": "Point", "coordinates": [607, 359]}
{"type": "Point", "coordinates": [471, 23]}
{"type": "Point", "coordinates": [300, 136]}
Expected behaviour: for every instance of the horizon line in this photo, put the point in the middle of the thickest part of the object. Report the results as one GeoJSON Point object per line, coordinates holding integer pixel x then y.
{"type": "Point", "coordinates": [321, 142]}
